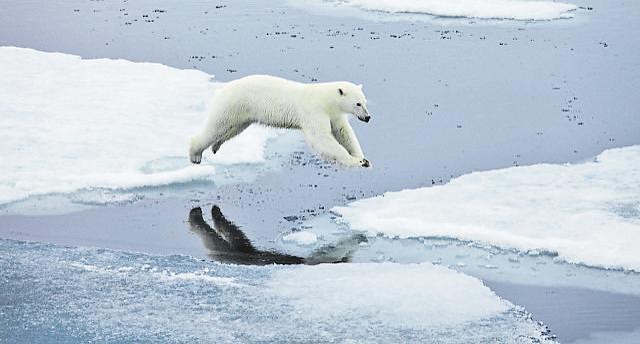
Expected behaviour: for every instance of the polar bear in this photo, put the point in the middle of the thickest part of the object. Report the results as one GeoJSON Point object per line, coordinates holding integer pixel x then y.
{"type": "Point", "coordinates": [320, 110]}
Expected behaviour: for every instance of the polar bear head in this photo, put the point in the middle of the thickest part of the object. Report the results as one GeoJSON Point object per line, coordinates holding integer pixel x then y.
{"type": "Point", "coordinates": [351, 100]}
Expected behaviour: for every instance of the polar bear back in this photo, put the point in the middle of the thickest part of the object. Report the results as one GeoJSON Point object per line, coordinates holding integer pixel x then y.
{"type": "Point", "coordinates": [265, 99]}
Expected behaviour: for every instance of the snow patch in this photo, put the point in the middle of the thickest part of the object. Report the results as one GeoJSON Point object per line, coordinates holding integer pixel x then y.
{"type": "Point", "coordinates": [586, 213]}
{"type": "Point", "coordinates": [407, 295]}
{"type": "Point", "coordinates": [196, 277]}
{"type": "Point", "coordinates": [481, 9]}
{"type": "Point", "coordinates": [301, 238]}
{"type": "Point", "coordinates": [71, 124]}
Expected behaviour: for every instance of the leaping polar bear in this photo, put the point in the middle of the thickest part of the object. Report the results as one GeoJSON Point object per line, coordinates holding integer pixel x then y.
{"type": "Point", "coordinates": [320, 110]}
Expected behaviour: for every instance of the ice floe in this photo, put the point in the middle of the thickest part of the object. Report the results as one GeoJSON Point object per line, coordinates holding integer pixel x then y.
{"type": "Point", "coordinates": [68, 294]}
{"type": "Point", "coordinates": [585, 213]}
{"type": "Point", "coordinates": [398, 290]}
{"type": "Point", "coordinates": [301, 238]}
{"type": "Point", "coordinates": [70, 124]}
{"type": "Point", "coordinates": [482, 9]}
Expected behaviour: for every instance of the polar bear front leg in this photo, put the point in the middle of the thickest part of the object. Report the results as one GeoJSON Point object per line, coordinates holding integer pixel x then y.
{"type": "Point", "coordinates": [343, 132]}
{"type": "Point", "coordinates": [325, 144]}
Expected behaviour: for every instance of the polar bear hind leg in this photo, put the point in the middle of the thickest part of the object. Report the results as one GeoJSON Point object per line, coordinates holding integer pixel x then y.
{"type": "Point", "coordinates": [214, 136]}
{"type": "Point", "coordinates": [228, 134]}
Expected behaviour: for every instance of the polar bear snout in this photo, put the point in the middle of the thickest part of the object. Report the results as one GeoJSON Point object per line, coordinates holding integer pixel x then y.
{"type": "Point", "coordinates": [361, 112]}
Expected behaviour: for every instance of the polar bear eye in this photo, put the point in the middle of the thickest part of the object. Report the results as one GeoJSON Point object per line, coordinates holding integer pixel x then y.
{"type": "Point", "coordinates": [358, 104]}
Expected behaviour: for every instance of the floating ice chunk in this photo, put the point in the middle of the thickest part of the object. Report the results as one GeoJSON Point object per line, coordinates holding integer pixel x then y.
{"type": "Point", "coordinates": [413, 295]}
{"type": "Point", "coordinates": [86, 295]}
{"type": "Point", "coordinates": [507, 265]}
{"type": "Point", "coordinates": [482, 9]}
{"type": "Point", "coordinates": [583, 212]}
{"type": "Point", "coordinates": [69, 124]}
{"type": "Point", "coordinates": [301, 238]}
{"type": "Point", "coordinates": [197, 276]}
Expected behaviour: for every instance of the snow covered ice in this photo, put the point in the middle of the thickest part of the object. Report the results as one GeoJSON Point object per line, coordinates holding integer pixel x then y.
{"type": "Point", "coordinates": [405, 295]}
{"type": "Point", "coordinates": [481, 9]}
{"type": "Point", "coordinates": [301, 238]}
{"type": "Point", "coordinates": [585, 213]}
{"type": "Point", "coordinates": [70, 124]}
{"type": "Point", "coordinates": [67, 294]}
{"type": "Point", "coordinates": [481, 260]}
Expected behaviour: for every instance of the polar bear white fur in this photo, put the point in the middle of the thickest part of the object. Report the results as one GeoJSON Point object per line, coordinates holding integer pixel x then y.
{"type": "Point", "coordinates": [320, 110]}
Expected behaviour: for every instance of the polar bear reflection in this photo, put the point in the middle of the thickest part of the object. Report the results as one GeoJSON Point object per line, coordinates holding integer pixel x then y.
{"type": "Point", "coordinates": [225, 242]}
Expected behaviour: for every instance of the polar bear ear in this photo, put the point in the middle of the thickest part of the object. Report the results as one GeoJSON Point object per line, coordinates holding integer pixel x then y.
{"type": "Point", "coordinates": [341, 92]}
{"type": "Point", "coordinates": [360, 85]}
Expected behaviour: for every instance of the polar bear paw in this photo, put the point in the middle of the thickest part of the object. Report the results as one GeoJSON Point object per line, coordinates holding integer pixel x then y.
{"type": "Point", "coordinates": [195, 150]}
{"type": "Point", "coordinates": [195, 155]}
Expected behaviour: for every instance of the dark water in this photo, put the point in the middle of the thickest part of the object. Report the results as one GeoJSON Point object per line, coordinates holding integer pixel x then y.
{"type": "Point", "coordinates": [573, 312]}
